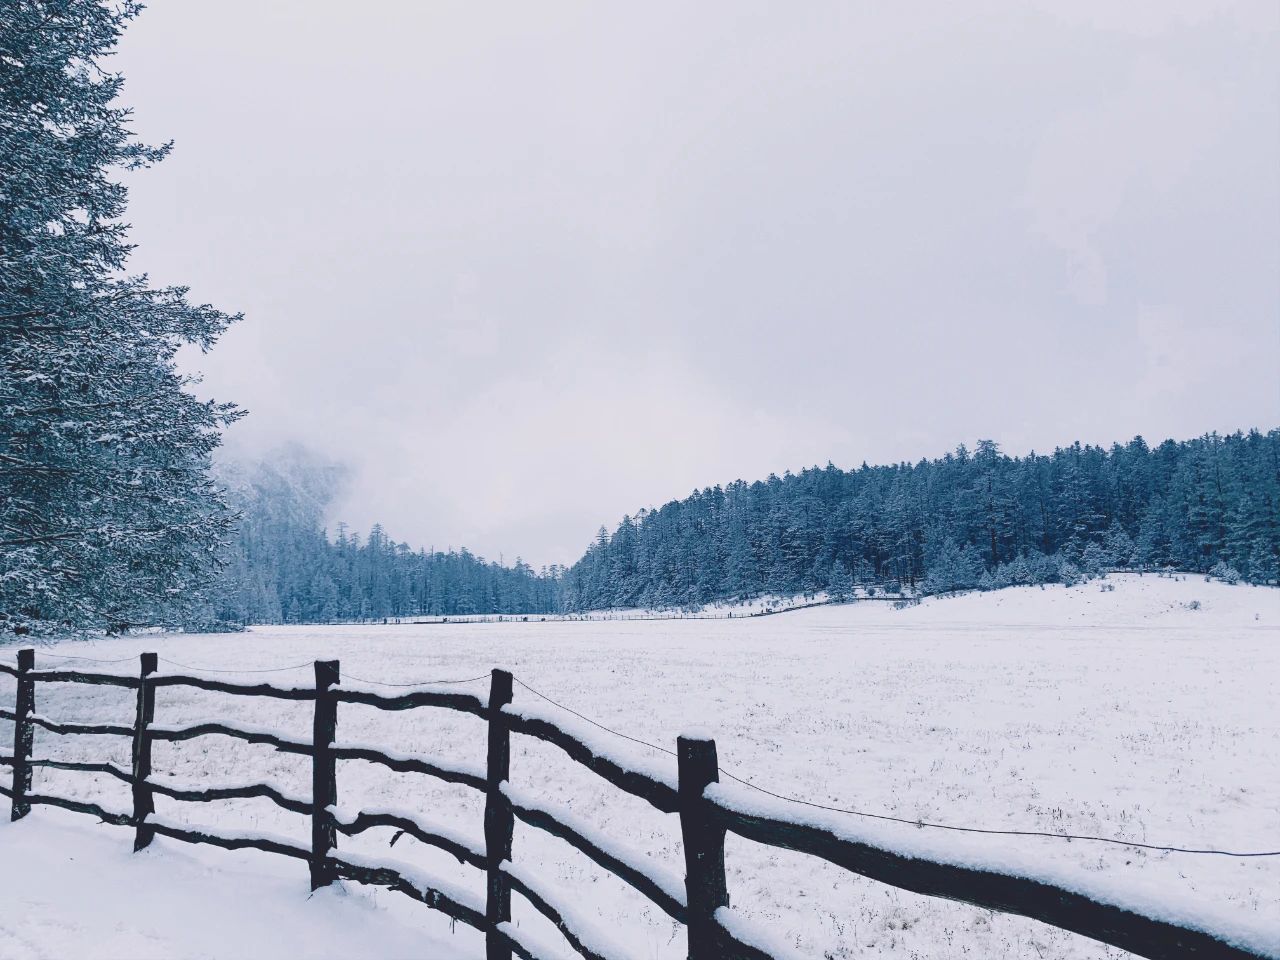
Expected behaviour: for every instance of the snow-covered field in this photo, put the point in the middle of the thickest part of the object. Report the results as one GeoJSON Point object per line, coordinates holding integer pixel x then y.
{"type": "Point", "coordinates": [73, 890]}
{"type": "Point", "coordinates": [1124, 713]}
{"type": "Point", "coordinates": [761, 605]}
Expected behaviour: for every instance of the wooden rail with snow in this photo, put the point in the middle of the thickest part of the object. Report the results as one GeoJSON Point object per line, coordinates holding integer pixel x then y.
{"type": "Point", "coordinates": [707, 810]}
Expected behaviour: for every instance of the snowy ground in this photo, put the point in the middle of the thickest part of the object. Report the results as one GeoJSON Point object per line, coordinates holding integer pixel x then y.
{"type": "Point", "coordinates": [73, 889]}
{"type": "Point", "coordinates": [1124, 714]}
{"type": "Point", "coordinates": [761, 605]}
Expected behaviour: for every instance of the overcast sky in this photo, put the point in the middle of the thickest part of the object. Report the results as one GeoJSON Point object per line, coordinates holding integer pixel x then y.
{"type": "Point", "coordinates": [529, 267]}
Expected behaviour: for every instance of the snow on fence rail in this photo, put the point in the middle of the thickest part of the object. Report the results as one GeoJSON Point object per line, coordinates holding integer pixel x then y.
{"type": "Point", "coordinates": [706, 811]}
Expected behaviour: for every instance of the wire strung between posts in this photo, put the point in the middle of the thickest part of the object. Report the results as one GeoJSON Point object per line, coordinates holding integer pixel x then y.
{"type": "Point", "coordinates": [904, 820]}
{"type": "Point", "coordinates": [420, 683]}
{"type": "Point", "coordinates": [1007, 833]}
{"type": "Point", "coordinates": [184, 666]}
{"type": "Point", "coordinates": [59, 656]}
{"type": "Point", "coordinates": [646, 743]}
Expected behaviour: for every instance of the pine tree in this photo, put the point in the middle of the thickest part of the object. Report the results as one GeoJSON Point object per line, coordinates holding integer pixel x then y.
{"type": "Point", "coordinates": [108, 516]}
{"type": "Point", "coordinates": [1264, 564]}
{"type": "Point", "coordinates": [839, 586]}
{"type": "Point", "coordinates": [1118, 545]}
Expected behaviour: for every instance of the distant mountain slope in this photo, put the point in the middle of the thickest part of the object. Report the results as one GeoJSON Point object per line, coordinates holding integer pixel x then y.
{"type": "Point", "coordinates": [980, 519]}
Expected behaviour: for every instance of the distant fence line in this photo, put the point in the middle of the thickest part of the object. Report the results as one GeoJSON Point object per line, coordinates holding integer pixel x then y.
{"type": "Point", "coordinates": [701, 902]}
{"type": "Point", "coordinates": [887, 592]}
{"type": "Point", "coordinates": [594, 616]}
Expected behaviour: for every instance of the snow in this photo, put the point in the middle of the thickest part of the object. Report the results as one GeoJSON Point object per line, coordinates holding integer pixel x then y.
{"type": "Point", "coordinates": [544, 945]}
{"type": "Point", "coordinates": [625, 754]}
{"type": "Point", "coordinates": [478, 689]}
{"type": "Point", "coordinates": [763, 605]}
{"type": "Point", "coordinates": [243, 679]}
{"type": "Point", "coordinates": [669, 881]}
{"type": "Point", "coordinates": [41, 718]}
{"type": "Point", "coordinates": [697, 733]}
{"type": "Point", "coordinates": [578, 917]}
{"type": "Point", "coordinates": [81, 893]}
{"type": "Point", "coordinates": [1037, 858]}
{"type": "Point", "coordinates": [247, 730]}
{"type": "Point", "coordinates": [444, 763]}
{"type": "Point", "coordinates": [348, 815]}
{"type": "Point", "coordinates": [224, 834]}
{"type": "Point", "coordinates": [424, 881]}
{"type": "Point", "coordinates": [195, 787]}
{"type": "Point", "coordinates": [56, 674]}
{"type": "Point", "coordinates": [1124, 714]}
{"type": "Point", "coordinates": [744, 932]}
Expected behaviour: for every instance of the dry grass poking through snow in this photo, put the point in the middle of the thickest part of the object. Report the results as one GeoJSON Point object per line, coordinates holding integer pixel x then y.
{"type": "Point", "coordinates": [1125, 714]}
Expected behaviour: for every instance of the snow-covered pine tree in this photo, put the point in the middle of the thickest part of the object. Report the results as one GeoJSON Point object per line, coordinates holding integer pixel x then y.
{"type": "Point", "coordinates": [108, 516]}
{"type": "Point", "coordinates": [839, 584]}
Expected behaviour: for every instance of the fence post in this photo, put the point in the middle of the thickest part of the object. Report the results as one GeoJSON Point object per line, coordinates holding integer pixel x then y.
{"type": "Point", "coordinates": [324, 779]}
{"type": "Point", "coordinates": [23, 735]}
{"type": "Point", "coordinates": [499, 822]}
{"type": "Point", "coordinates": [703, 840]}
{"type": "Point", "coordinates": [143, 801]}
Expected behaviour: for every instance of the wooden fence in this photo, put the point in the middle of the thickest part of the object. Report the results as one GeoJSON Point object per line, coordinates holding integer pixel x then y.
{"type": "Point", "coordinates": [704, 819]}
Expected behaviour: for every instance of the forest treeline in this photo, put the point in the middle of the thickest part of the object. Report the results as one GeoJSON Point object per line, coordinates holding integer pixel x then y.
{"type": "Point", "coordinates": [283, 567]}
{"type": "Point", "coordinates": [970, 519]}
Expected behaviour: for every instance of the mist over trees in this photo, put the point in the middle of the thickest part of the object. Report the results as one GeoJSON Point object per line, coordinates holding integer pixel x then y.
{"type": "Point", "coordinates": [108, 516]}
{"type": "Point", "coordinates": [970, 519]}
{"type": "Point", "coordinates": [283, 567]}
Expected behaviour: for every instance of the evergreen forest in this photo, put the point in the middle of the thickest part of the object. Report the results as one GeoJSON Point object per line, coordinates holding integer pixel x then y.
{"type": "Point", "coordinates": [970, 519]}
{"type": "Point", "coordinates": [975, 519]}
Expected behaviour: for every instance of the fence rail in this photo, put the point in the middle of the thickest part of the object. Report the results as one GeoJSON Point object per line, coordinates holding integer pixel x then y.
{"type": "Point", "coordinates": [706, 811]}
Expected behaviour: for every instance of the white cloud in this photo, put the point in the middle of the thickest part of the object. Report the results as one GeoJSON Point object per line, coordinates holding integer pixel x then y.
{"type": "Point", "coordinates": [1141, 139]}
